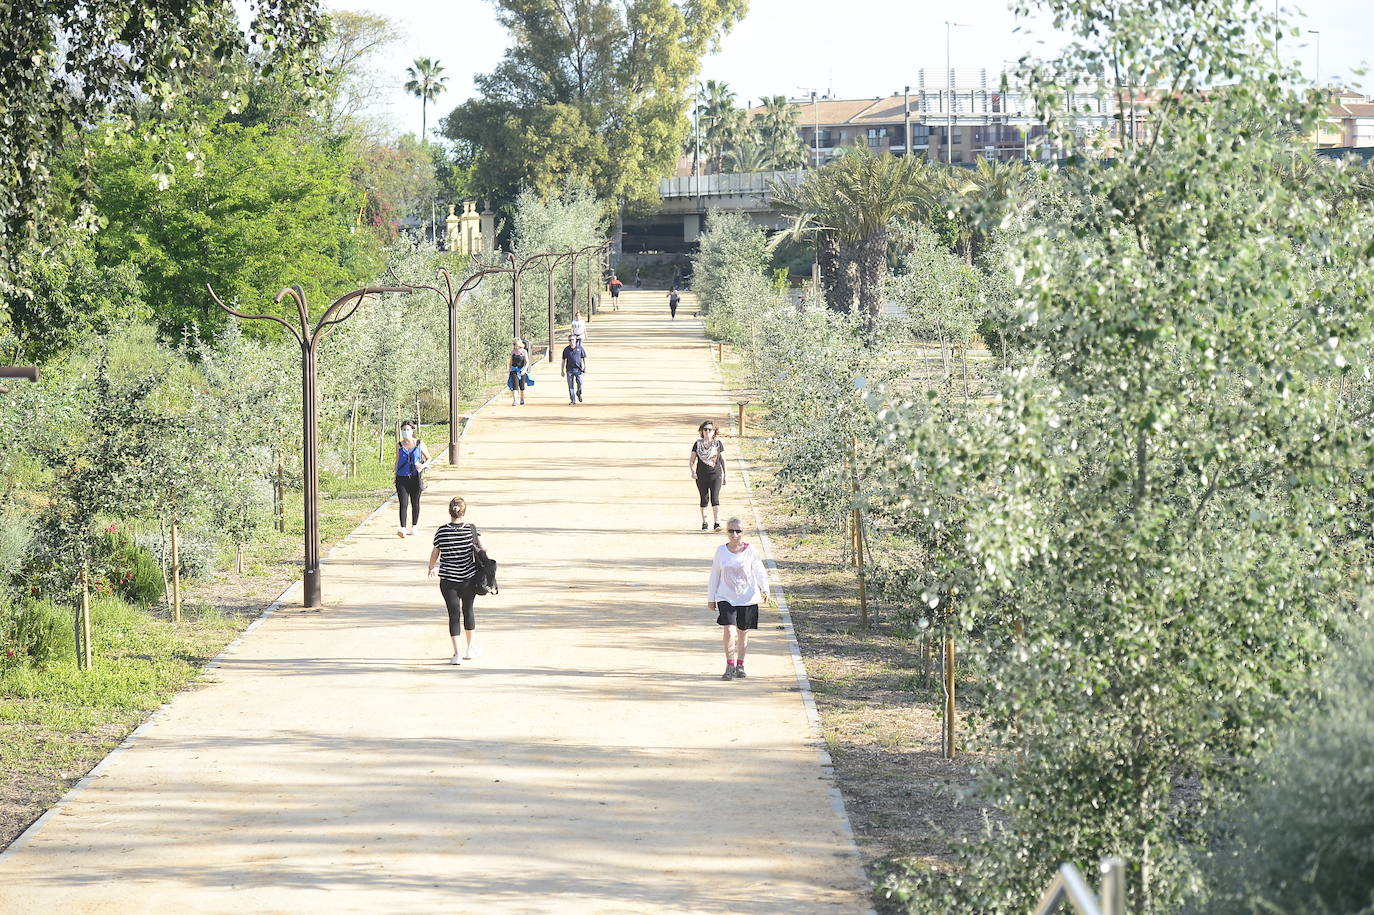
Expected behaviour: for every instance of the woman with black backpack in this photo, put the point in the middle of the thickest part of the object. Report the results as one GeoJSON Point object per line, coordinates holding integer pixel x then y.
{"type": "Point", "coordinates": [456, 548]}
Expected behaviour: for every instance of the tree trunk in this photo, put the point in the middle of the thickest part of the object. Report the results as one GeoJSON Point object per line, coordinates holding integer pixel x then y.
{"type": "Point", "coordinates": [872, 263]}
{"type": "Point", "coordinates": [846, 280]}
{"type": "Point", "coordinates": [279, 499]}
{"type": "Point", "coordinates": [381, 436]}
{"type": "Point", "coordinates": [176, 572]}
{"type": "Point", "coordinates": [353, 439]}
{"type": "Point", "coordinates": [828, 257]}
{"type": "Point", "coordinates": [83, 623]}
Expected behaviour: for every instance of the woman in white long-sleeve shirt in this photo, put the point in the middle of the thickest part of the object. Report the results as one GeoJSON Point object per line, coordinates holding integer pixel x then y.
{"type": "Point", "coordinates": [738, 581]}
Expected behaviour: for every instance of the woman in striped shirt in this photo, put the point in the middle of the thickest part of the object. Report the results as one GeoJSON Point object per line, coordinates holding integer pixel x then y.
{"type": "Point", "coordinates": [455, 548]}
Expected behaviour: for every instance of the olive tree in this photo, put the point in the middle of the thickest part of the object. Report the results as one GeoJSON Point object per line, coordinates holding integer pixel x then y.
{"type": "Point", "coordinates": [1159, 495]}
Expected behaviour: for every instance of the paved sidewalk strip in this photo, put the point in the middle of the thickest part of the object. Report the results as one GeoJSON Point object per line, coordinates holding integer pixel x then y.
{"type": "Point", "coordinates": [591, 761]}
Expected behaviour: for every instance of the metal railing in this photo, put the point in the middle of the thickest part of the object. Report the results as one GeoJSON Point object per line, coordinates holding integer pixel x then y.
{"type": "Point", "coordinates": [725, 185]}
{"type": "Point", "coordinates": [1068, 886]}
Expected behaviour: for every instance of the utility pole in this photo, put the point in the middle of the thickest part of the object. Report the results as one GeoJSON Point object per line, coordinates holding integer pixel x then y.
{"type": "Point", "coordinates": [906, 121]}
{"type": "Point", "coordinates": [949, 78]}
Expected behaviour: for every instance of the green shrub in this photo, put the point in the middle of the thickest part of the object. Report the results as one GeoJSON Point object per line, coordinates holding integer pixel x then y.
{"type": "Point", "coordinates": [197, 554]}
{"type": "Point", "coordinates": [1303, 840]}
{"type": "Point", "coordinates": [130, 570]}
{"type": "Point", "coordinates": [34, 632]}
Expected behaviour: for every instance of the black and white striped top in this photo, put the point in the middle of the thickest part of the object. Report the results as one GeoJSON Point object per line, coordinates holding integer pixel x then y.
{"type": "Point", "coordinates": [455, 542]}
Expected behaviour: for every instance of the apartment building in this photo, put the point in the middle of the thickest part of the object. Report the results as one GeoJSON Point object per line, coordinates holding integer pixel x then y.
{"type": "Point", "coordinates": [1349, 121]}
{"type": "Point", "coordinates": [958, 116]}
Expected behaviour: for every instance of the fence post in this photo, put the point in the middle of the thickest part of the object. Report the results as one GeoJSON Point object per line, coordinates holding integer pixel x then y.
{"type": "Point", "coordinates": [742, 405]}
{"type": "Point", "coordinates": [949, 693]}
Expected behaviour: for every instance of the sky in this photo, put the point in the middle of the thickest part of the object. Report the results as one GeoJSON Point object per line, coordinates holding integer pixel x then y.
{"type": "Point", "coordinates": [859, 49]}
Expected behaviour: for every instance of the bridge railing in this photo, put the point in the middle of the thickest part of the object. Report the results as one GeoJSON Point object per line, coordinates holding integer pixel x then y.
{"type": "Point", "coordinates": [746, 183]}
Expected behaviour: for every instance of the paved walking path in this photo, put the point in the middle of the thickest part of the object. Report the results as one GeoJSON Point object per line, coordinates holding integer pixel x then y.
{"type": "Point", "coordinates": [591, 761]}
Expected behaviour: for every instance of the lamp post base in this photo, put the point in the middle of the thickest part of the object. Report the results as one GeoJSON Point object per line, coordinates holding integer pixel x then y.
{"type": "Point", "coordinates": [311, 586]}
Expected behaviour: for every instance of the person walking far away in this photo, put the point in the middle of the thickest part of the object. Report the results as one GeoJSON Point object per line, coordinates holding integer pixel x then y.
{"type": "Point", "coordinates": [455, 553]}
{"type": "Point", "coordinates": [614, 286]}
{"type": "Point", "coordinates": [573, 365]}
{"type": "Point", "coordinates": [516, 378]}
{"type": "Point", "coordinates": [412, 457]}
{"type": "Point", "coordinates": [673, 299]}
{"type": "Point", "coordinates": [579, 328]}
{"type": "Point", "coordinates": [707, 464]}
{"type": "Point", "coordinates": [738, 581]}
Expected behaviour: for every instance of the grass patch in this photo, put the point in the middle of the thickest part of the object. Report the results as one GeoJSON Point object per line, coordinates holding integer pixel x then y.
{"type": "Point", "coordinates": [57, 722]}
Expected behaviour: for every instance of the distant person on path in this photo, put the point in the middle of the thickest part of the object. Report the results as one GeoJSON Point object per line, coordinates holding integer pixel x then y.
{"type": "Point", "coordinates": [614, 286]}
{"type": "Point", "coordinates": [738, 581]}
{"type": "Point", "coordinates": [455, 552]}
{"type": "Point", "coordinates": [574, 363]}
{"type": "Point", "coordinates": [412, 457]}
{"type": "Point", "coordinates": [707, 464]}
{"type": "Point", "coordinates": [515, 378]}
{"type": "Point", "coordinates": [638, 283]}
{"type": "Point", "coordinates": [673, 299]}
{"type": "Point", "coordinates": [579, 327]}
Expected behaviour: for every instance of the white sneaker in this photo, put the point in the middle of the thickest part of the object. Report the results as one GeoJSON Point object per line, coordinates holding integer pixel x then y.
{"type": "Point", "coordinates": [410, 531]}
{"type": "Point", "coordinates": [455, 661]}
{"type": "Point", "coordinates": [471, 653]}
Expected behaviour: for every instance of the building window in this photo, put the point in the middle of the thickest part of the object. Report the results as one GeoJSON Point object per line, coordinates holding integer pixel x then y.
{"type": "Point", "coordinates": [920, 133]}
{"type": "Point", "coordinates": [826, 140]}
{"type": "Point", "coordinates": [877, 136]}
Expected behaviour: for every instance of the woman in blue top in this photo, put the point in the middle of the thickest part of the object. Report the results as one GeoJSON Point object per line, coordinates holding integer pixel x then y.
{"type": "Point", "coordinates": [412, 457]}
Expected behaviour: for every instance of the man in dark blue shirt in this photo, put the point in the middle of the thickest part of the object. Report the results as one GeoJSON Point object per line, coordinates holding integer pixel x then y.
{"type": "Point", "coordinates": [573, 365]}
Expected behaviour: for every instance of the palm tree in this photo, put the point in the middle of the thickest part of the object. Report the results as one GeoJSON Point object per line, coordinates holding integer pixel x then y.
{"type": "Point", "coordinates": [425, 84]}
{"type": "Point", "coordinates": [848, 205]}
{"type": "Point", "coordinates": [777, 126]}
{"type": "Point", "coordinates": [718, 120]}
{"type": "Point", "coordinates": [749, 153]}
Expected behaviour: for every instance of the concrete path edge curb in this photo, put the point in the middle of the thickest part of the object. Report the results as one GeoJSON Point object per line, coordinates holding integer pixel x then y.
{"type": "Point", "coordinates": [813, 715]}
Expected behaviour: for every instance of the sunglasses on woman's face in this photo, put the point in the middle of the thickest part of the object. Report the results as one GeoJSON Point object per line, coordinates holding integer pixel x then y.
{"type": "Point", "coordinates": [733, 530]}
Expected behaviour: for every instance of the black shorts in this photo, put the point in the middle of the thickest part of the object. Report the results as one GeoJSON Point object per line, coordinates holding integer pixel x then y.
{"type": "Point", "coordinates": [746, 617]}
{"type": "Point", "coordinates": [615, 292]}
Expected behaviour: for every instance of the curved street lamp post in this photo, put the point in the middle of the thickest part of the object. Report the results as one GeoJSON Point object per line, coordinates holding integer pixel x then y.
{"type": "Point", "coordinates": [309, 339]}
{"type": "Point", "coordinates": [451, 298]}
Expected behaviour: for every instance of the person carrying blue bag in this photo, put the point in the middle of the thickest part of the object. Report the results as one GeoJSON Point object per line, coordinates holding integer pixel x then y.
{"type": "Point", "coordinates": [412, 457]}
{"type": "Point", "coordinates": [518, 378]}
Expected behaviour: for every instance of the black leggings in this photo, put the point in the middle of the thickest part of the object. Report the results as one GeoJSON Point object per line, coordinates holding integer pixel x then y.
{"type": "Point", "coordinates": [458, 597]}
{"type": "Point", "coordinates": [408, 488]}
{"type": "Point", "coordinates": [708, 484]}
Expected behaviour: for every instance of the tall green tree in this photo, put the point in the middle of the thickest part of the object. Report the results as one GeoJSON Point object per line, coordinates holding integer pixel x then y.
{"type": "Point", "coordinates": [720, 122]}
{"type": "Point", "coordinates": [592, 90]}
{"type": "Point", "coordinates": [65, 67]}
{"type": "Point", "coordinates": [266, 209]}
{"type": "Point", "coordinates": [848, 207]}
{"type": "Point", "coordinates": [426, 83]}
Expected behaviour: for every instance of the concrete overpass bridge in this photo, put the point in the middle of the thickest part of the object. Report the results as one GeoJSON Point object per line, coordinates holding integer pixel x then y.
{"type": "Point", "coordinates": [688, 201]}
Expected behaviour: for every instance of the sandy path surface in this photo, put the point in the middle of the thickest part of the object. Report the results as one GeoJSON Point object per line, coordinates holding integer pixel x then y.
{"type": "Point", "coordinates": [591, 761]}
